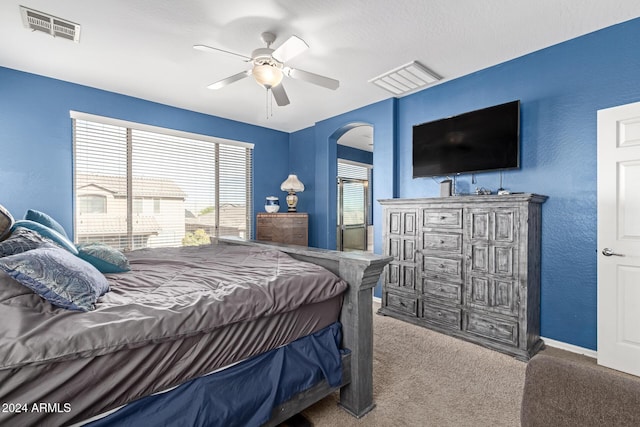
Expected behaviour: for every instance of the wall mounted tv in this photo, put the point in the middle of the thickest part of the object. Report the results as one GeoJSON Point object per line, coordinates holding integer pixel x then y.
{"type": "Point", "coordinates": [477, 141]}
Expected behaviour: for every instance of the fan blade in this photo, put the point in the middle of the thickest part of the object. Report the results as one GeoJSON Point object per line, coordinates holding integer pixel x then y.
{"type": "Point", "coordinates": [316, 79]}
{"type": "Point", "coordinates": [280, 95]}
{"type": "Point", "coordinates": [205, 48]}
{"type": "Point", "coordinates": [229, 80]}
{"type": "Point", "coordinates": [293, 47]}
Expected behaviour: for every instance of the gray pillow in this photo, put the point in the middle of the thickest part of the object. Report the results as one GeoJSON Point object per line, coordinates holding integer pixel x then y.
{"type": "Point", "coordinates": [58, 276]}
{"type": "Point", "coordinates": [48, 233]}
{"type": "Point", "coordinates": [22, 240]}
{"type": "Point", "coordinates": [6, 222]}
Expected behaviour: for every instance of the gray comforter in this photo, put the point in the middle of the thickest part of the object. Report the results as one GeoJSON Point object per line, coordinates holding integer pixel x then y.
{"type": "Point", "coordinates": [169, 294]}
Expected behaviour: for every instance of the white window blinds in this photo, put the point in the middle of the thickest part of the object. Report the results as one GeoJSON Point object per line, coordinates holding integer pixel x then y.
{"type": "Point", "coordinates": [352, 170]}
{"type": "Point", "coordinates": [355, 195]}
{"type": "Point", "coordinates": [160, 187]}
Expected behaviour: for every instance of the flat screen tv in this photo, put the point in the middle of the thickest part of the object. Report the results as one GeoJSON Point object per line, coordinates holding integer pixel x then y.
{"type": "Point", "coordinates": [477, 141]}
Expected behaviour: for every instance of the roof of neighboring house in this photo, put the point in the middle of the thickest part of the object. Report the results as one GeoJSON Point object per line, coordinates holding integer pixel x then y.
{"type": "Point", "coordinates": [142, 186]}
{"type": "Point", "coordinates": [230, 216]}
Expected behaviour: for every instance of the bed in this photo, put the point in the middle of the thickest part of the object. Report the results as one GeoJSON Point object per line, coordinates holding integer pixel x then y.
{"type": "Point", "coordinates": [164, 338]}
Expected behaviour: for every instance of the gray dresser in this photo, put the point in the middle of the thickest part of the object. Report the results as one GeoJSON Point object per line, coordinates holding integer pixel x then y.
{"type": "Point", "coordinates": [467, 266]}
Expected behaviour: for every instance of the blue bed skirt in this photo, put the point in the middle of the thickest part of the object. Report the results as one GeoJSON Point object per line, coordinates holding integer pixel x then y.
{"type": "Point", "coordinates": [243, 395]}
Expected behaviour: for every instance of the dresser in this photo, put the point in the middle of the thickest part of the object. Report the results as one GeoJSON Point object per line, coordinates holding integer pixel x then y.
{"type": "Point", "coordinates": [467, 266]}
{"type": "Point", "coordinates": [291, 228]}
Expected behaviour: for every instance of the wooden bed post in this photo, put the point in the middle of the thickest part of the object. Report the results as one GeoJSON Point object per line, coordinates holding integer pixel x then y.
{"type": "Point", "coordinates": [362, 271]}
{"type": "Point", "coordinates": [357, 332]}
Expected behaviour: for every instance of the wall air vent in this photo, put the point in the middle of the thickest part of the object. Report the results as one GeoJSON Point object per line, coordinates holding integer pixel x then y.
{"type": "Point", "coordinates": [408, 78]}
{"type": "Point", "coordinates": [56, 27]}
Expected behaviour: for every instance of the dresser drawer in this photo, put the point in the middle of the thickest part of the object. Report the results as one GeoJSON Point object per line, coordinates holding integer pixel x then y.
{"type": "Point", "coordinates": [264, 233]}
{"type": "Point", "coordinates": [401, 303]}
{"type": "Point", "coordinates": [442, 242]}
{"type": "Point", "coordinates": [451, 292]}
{"type": "Point", "coordinates": [289, 228]}
{"type": "Point", "coordinates": [442, 218]}
{"type": "Point", "coordinates": [299, 222]}
{"type": "Point", "coordinates": [447, 267]}
{"type": "Point", "coordinates": [505, 331]}
{"type": "Point", "coordinates": [299, 239]}
{"type": "Point", "coordinates": [441, 315]}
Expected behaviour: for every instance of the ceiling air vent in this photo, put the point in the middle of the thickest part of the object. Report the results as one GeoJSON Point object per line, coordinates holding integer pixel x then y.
{"type": "Point", "coordinates": [56, 27]}
{"type": "Point", "coordinates": [408, 78]}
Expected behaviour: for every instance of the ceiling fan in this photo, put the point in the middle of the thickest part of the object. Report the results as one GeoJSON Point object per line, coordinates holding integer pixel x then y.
{"type": "Point", "coordinates": [269, 67]}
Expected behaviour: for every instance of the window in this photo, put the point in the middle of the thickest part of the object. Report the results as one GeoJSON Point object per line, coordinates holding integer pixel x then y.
{"type": "Point", "coordinates": [92, 204]}
{"type": "Point", "coordinates": [137, 206]}
{"type": "Point", "coordinates": [163, 187]}
{"type": "Point", "coordinates": [357, 171]}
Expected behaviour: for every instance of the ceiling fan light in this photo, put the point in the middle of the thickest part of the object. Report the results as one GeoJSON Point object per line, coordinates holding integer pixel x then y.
{"type": "Point", "coordinates": [267, 76]}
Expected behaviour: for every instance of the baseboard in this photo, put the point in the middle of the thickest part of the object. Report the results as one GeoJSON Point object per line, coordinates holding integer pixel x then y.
{"type": "Point", "coordinates": [548, 341]}
{"type": "Point", "coordinates": [570, 347]}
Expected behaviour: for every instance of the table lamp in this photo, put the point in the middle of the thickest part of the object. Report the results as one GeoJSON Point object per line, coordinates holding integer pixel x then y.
{"type": "Point", "coordinates": [292, 185]}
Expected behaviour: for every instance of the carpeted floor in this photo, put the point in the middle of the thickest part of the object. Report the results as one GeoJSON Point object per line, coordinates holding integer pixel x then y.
{"type": "Point", "coordinates": [423, 378]}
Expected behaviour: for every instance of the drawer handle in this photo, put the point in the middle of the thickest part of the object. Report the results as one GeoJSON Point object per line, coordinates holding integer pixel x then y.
{"type": "Point", "coordinates": [442, 242]}
{"type": "Point", "coordinates": [402, 303]}
{"type": "Point", "coordinates": [439, 314]}
{"type": "Point", "coordinates": [441, 265]}
{"type": "Point", "coordinates": [442, 218]}
{"type": "Point", "coordinates": [441, 290]}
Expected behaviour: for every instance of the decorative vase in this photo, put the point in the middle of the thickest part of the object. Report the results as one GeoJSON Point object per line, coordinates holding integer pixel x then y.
{"type": "Point", "coordinates": [272, 204]}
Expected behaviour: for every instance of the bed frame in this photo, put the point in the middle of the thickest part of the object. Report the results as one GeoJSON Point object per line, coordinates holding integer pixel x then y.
{"type": "Point", "coordinates": [361, 271]}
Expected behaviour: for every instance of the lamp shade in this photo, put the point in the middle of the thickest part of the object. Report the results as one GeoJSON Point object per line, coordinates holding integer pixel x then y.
{"type": "Point", "coordinates": [292, 184]}
{"type": "Point", "coordinates": [267, 75]}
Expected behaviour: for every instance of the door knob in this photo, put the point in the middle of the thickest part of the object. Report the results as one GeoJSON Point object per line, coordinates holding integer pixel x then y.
{"type": "Point", "coordinates": [609, 252]}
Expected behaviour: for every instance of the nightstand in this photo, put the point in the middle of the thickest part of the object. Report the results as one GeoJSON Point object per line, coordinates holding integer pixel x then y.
{"type": "Point", "coordinates": [291, 228]}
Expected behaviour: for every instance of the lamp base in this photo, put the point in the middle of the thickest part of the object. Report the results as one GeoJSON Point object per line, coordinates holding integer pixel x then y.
{"type": "Point", "coordinates": [292, 202]}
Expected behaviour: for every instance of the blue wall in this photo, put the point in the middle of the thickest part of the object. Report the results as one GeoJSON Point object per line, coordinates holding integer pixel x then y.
{"type": "Point", "coordinates": [302, 163]}
{"type": "Point", "coordinates": [354, 154]}
{"type": "Point", "coordinates": [36, 140]}
{"type": "Point", "coordinates": [326, 133]}
{"type": "Point", "coordinates": [560, 89]}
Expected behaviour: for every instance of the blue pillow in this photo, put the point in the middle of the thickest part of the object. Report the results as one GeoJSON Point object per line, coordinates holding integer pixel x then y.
{"type": "Point", "coordinates": [6, 222]}
{"type": "Point", "coordinates": [59, 277]}
{"type": "Point", "coordinates": [22, 240]}
{"type": "Point", "coordinates": [103, 257]}
{"type": "Point", "coordinates": [47, 232]}
{"type": "Point", "coordinates": [46, 220]}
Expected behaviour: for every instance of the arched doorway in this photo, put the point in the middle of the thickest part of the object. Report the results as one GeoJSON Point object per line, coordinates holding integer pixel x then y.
{"type": "Point", "coordinates": [354, 220]}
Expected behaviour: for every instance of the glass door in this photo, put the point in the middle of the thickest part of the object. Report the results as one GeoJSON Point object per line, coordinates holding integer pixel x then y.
{"type": "Point", "coordinates": [352, 214]}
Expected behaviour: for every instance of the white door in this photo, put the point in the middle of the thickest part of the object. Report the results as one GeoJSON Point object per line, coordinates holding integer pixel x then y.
{"type": "Point", "coordinates": [619, 238]}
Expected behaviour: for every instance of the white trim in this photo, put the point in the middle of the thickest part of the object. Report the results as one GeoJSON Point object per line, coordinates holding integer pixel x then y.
{"type": "Point", "coordinates": [150, 128]}
{"type": "Point", "coordinates": [570, 347]}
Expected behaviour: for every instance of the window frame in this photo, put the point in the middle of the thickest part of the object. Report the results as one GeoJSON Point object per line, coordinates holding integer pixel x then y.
{"type": "Point", "coordinates": [90, 199]}
{"type": "Point", "coordinates": [129, 126]}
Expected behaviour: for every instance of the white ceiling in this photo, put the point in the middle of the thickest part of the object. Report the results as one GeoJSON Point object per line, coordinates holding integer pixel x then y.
{"type": "Point", "coordinates": [143, 48]}
{"type": "Point", "coordinates": [360, 137]}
